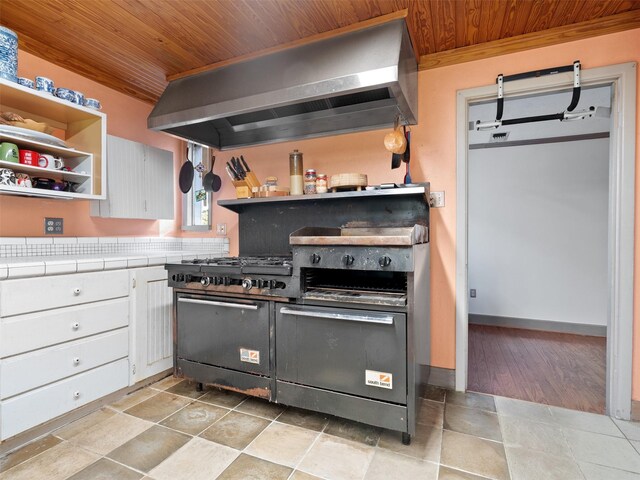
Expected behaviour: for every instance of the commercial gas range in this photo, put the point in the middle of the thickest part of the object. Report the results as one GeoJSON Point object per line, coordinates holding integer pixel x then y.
{"type": "Point", "coordinates": [266, 276]}
{"type": "Point", "coordinates": [339, 326]}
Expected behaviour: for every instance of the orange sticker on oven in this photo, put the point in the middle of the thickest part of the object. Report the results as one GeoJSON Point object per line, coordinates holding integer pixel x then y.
{"type": "Point", "coordinates": [378, 379]}
{"type": "Point", "coordinates": [249, 356]}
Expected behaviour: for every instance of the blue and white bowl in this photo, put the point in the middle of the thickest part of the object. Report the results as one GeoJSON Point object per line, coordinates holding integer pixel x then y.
{"type": "Point", "coordinates": [26, 82]}
{"type": "Point", "coordinates": [78, 97]}
{"type": "Point", "coordinates": [45, 84]}
{"type": "Point", "coordinates": [92, 103]}
{"type": "Point", "coordinates": [66, 94]}
{"type": "Point", "coordinates": [8, 54]}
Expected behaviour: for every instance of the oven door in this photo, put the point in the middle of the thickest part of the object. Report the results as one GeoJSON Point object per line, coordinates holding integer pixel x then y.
{"type": "Point", "coordinates": [224, 332]}
{"type": "Point", "coordinates": [358, 352]}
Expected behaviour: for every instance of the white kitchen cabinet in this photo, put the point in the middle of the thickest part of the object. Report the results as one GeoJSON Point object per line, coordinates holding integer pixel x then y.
{"type": "Point", "coordinates": [152, 337]}
{"type": "Point", "coordinates": [139, 182]}
{"type": "Point", "coordinates": [22, 412]}
{"type": "Point", "coordinates": [64, 342]}
{"type": "Point", "coordinates": [83, 150]}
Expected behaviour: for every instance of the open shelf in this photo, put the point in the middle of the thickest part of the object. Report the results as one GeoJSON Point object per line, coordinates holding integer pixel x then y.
{"type": "Point", "coordinates": [83, 130]}
{"type": "Point", "coordinates": [237, 205]}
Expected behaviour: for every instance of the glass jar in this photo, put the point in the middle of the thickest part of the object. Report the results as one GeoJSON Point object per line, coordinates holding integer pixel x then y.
{"type": "Point", "coordinates": [321, 183]}
{"type": "Point", "coordinates": [295, 171]}
{"type": "Point", "coordinates": [271, 181]}
{"type": "Point", "coordinates": [310, 182]}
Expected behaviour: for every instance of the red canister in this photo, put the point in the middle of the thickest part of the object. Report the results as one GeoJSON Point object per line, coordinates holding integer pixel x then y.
{"type": "Point", "coordinates": [29, 157]}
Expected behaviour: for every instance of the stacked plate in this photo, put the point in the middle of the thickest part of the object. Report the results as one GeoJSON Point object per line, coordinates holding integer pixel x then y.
{"type": "Point", "coordinates": [8, 54]}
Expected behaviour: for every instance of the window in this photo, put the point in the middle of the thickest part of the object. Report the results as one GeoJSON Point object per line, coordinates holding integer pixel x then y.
{"type": "Point", "coordinates": [196, 203]}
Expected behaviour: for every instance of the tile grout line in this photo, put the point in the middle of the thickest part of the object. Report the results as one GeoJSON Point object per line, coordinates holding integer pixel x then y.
{"type": "Point", "coordinates": [504, 445]}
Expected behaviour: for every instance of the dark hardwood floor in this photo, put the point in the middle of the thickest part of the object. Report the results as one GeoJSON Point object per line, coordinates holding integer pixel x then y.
{"type": "Point", "coordinates": [544, 367]}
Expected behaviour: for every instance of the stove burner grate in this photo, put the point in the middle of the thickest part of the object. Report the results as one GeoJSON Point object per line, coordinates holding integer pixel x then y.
{"type": "Point", "coordinates": [241, 261]}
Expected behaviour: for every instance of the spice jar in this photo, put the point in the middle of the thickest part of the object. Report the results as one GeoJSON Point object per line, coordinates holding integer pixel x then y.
{"type": "Point", "coordinates": [295, 171]}
{"type": "Point", "coordinates": [321, 183]}
{"type": "Point", "coordinates": [310, 181]}
{"type": "Point", "coordinates": [271, 181]}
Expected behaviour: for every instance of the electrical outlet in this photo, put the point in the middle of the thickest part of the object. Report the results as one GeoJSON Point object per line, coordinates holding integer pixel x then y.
{"type": "Point", "coordinates": [53, 226]}
{"type": "Point", "coordinates": [221, 229]}
{"type": "Point", "coordinates": [436, 199]}
{"type": "Point", "coordinates": [473, 293]}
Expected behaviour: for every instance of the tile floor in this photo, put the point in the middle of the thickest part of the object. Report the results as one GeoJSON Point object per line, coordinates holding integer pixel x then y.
{"type": "Point", "coordinates": [170, 431]}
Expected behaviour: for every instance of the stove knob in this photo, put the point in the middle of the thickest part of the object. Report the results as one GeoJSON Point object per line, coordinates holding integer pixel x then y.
{"type": "Point", "coordinates": [315, 258]}
{"type": "Point", "coordinates": [347, 260]}
{"type": "Point", "coordinates": [384, 261]}
{"type": "Point", "coordinates": [246, 283]}
{"type": "Point", "coordinates": [260, 283]}
{"type": "Point", "coordinates": [226, 281]}
{"type": "Point", "coordinates": [205, 281]}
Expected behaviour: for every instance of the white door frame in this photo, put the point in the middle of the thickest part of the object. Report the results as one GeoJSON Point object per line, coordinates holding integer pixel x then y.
{"type": "Point", "coordinates": [621, 220]}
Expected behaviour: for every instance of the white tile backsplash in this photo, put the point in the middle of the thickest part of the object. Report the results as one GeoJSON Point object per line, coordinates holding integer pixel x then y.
{"type": "Point", "coordinates": [39, 240]}
{"type": "Point", "coordinates": [64, 240]}
{"type": "Point", "coordinates": [130, 246]}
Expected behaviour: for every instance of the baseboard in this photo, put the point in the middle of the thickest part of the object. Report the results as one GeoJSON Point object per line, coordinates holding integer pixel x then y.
{"type": "Point", "coordinates": [22, 438]}
{"type": "Point", "coordinates": [545, 325]}
{"type": "Point", "coordinates": [635, 410]}
{"type": "Point", "coordinates": [442, 377]}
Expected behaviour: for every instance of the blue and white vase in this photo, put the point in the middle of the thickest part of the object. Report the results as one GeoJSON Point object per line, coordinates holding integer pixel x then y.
{"type": "Point", "coordinates": [8, 54]}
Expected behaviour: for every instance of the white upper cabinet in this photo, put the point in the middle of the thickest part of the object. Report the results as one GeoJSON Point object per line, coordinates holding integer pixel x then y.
{"type": "Point", "coordinates": [139, 182]}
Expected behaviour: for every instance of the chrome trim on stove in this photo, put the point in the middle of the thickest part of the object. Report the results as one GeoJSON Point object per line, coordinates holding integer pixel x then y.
{"type": "Point", "coordinates": [384, 319]}
{"type": "Point", "coordinates": [219, 304]}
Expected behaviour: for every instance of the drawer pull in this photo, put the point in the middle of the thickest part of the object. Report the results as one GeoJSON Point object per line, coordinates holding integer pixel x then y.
{"type": "Point", "coordinates": [219, 304]}
{"type": "Point", "coordinates": [76, 360]}
{"type": "Point", "coordinates": [76, 291]}
{"type": "Point", "coordinates": [76, 395]}
{"type": "Point", "coordinates": [383, 319]}
{"type": "Point", "coordinates": [75, 326]}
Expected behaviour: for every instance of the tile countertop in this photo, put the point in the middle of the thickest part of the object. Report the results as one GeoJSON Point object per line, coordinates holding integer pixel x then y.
{"type": "Point", "coordinates": [37, 266]}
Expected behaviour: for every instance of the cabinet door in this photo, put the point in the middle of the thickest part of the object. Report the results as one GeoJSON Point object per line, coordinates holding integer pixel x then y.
{"type": "Point", "coordinates": [140, 182]}
{"type": "Point", "coordinates": [159, 184]}
{"type": "Point", "coordinates": [125, 180]}
{"type": "Point", "coordinates": [151, 318]}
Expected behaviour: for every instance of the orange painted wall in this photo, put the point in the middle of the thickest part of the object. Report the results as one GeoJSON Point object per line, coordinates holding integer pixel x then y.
{"type": "Point", "coordinates": [433, 159]}
{"type": "Point", "coordinates": [127, 118]}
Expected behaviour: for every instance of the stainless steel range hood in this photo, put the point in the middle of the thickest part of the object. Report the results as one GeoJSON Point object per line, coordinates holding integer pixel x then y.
{"type": "Point", "coordinates": [356, 81]}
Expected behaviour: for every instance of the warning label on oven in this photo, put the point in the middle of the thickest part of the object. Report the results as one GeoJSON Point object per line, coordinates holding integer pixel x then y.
{"type": "Point", "coordinates": [378, 379]}
{"type": "Point", "coordinates": [249, 356]}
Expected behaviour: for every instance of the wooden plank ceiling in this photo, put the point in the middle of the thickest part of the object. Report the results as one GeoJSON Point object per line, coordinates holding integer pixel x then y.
{"type": "Point", "coordinates": [134, 45]}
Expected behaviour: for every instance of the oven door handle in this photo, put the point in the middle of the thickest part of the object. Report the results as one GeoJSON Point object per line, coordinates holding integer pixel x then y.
{"type": "Point", "coordinates": [219, 304]}
{"type": "Point", "coordinates": [383, 319]}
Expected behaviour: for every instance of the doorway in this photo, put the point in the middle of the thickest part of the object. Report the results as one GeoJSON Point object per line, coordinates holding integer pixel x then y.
{"type": "Point", "coordinates": [537, 265]}
{"type": "Point", "coordinates": [619, 245]}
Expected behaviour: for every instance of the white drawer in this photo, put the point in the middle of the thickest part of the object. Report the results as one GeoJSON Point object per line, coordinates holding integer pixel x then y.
{"type": "Point", "coordinates": [43, 293]}
{"type": "Point", "coordinates": [33, 408]}
{"type": "Point", "coordinates": [23, 333]}
{"type": "Point", "coordinates": [32, 370]}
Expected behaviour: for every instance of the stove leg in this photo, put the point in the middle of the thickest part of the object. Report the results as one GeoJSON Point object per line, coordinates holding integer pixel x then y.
{"type": "Point", "coordinates": [199, 387]}
{"type": "Point", "coordinates": [406, 438]}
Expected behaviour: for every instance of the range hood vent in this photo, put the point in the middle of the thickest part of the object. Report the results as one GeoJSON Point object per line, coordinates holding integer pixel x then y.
{"type": "Point", "coordinates": [357, 81]}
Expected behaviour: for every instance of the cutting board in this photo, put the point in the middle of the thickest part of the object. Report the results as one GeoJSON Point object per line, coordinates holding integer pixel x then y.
{"type": "Point", "coordinates": [344, 181]}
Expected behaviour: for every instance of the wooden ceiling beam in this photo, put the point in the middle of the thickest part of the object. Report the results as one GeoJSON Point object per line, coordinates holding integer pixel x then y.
{"type": "Point", "coordinates": [569, 33]}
